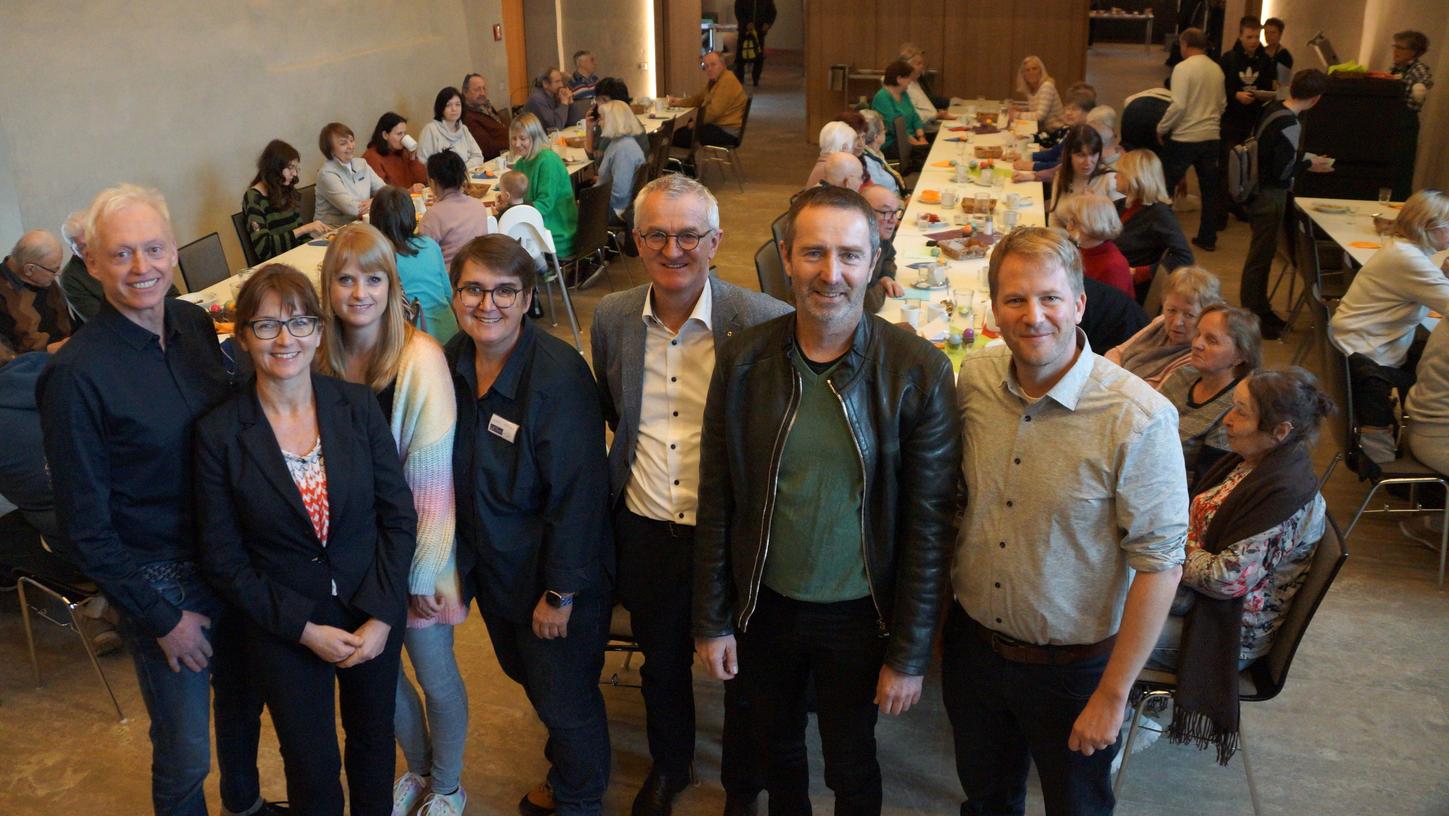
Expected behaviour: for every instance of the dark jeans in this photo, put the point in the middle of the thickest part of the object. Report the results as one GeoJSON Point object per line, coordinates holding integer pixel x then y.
{"type": "Point", "coordinates": [181, 707]}
{"type": "Point", "coordinates": [299, 688]}
{"type": "Point", "coordinates": [708, 135]}
{"type": "Point", "coordinates": [839, 644]}
{"type": "Point", "coordinates": [1265, 214]}
{"type": "Point", "coordinates": [656, 563]}
{"type": "Point", "coordinates": [758, 62]}
{"type": "Point", "coordinates": [561, 678]}
{"type": "Point", "coordinates": [1006, 715]}
{"type": "Point", "coordinates": [1202, 157]}
{"type": "Point", "coordinates": [1373, 386]}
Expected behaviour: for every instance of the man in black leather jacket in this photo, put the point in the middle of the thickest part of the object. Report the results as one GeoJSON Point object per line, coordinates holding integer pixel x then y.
{"type": "Point", "coordinates": [827, 491]}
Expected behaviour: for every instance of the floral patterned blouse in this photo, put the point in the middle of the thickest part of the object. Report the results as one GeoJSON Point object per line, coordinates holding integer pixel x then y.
{"type": "Point", "coordinates": [1265, 570]}
{"type": "Point", "coordinates": [309, 473]}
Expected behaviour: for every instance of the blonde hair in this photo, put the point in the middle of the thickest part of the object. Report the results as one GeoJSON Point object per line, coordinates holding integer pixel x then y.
{"type": "Point", "coordinates": [1422, 209]}
{"type": "Point", "coordinates": [363, 246]}
{"type": "Point", "coordinates": [112, 200]}
{"type": "Point", "coordinates": [526, 124]}
{"type": "Point", "coordinates": [1104, 120]}
{"type": "Point", "coordinates": [1093, 215]}
{"type": "Point", "coordinates": [1021, 74]}
{"type": "Point", "coordinates": [1139, 177]}
{"type": "Point", "coordinates": [1196, 284]}
{"type": "Point", "coordinates": [515, 183]}
{"type": "Point", "coordinates": [908, 50]}
{"type": "Point", "coordinates": [837, 137]}
{"type": "Point", "coordinates": [1043, 244]}
{"type": "Point", "coordinates": [617, 119]}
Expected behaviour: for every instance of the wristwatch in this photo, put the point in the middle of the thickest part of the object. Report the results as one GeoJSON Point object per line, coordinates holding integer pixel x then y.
{"type": "Point", "coordinates": [559, 600]}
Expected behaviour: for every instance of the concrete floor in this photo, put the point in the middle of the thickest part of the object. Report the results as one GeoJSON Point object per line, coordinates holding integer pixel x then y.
{"type": "Point", "coordinates": [1361, 727]}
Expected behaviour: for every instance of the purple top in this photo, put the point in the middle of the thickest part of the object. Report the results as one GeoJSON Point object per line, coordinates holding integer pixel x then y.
{"type": "Point", "coordinates": [454, 220]}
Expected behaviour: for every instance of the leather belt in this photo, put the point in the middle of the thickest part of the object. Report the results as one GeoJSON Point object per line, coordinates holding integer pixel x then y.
{"type": "Point", "coordinates": [1018, 652]}
{"type": "Point", "coordinates": [669, 528]}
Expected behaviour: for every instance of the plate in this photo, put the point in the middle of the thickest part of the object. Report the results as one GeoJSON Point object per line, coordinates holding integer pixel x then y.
{"type": "Point", "coordinates": [1332, 209]}
{"type": "Point", "coordinates": [926, 287]}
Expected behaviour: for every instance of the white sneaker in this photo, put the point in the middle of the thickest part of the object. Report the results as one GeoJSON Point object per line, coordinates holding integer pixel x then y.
{"type": "Point", "coordinates": [451, 804]}
{"type": "Point", "coordinates": [407, 791]}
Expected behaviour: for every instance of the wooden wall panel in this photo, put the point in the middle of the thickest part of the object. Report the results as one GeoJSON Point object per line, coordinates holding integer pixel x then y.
{"type": "Point", "coordinates": [976, 45]}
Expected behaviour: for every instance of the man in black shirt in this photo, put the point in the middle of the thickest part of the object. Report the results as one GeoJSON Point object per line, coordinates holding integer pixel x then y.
{"type": "Point", "coordinates": [117, 406]}
{"type": "Point", "coordinates": [1279, 162]}
{"type": "Point", "coordinates": [1247, 69]}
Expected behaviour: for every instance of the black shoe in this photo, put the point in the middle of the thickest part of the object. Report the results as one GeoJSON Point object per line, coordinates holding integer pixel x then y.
{"type": "Point", "coordinates": [1213, 247]}
{"type": "Point", "coordinates": [281, 808]}
{"type": "Point", "coordinates": [538, 802]}
{"type": "Point", "coordinates": [740, 806]}
{"type": "Point", "coordinates": [656, 797]}
{"type": "Point", "coordinates": [1271, 326]}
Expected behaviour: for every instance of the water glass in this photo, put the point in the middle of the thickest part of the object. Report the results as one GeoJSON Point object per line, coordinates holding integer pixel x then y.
{"type": "Point", "coordinates": [1385, 195]}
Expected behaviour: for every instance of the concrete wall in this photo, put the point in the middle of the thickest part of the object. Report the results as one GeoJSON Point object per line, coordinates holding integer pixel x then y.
{"type": "Point", "coordinates": [183, 94]}
{"type": "Point", "coordinates": [621, 48]}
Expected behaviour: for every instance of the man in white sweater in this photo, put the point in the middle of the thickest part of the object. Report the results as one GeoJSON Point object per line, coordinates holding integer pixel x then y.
{"type": "Point", "coordinates": [1189, 130]}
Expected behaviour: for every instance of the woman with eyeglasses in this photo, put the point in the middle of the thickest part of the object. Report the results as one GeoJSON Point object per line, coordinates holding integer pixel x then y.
{"type": "Point", "coordinates": [532, 485]}
{"type": "Point", "coordinates": [308, 527]}
{"type": "Point", "coordinates": [1410, 69]}
{"type": "Point", "coordinates": [367, 340]}
{"type": "Point", "coordinates": [272, 205]}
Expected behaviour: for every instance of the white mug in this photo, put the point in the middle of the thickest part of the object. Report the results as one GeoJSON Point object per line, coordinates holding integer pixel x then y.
{"type": "Point", "coordinates": [911, 315]}
{"type": "Point", "coordinates": [409, 142]}
{"type": "Point", "coordinates": [937, 275]}
{"type": "Point", "coordinates": [948, 198]}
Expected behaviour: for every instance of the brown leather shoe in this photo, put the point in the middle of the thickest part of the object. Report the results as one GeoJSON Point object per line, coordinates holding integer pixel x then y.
{"type": "Point", "coordinates": [538, 802]}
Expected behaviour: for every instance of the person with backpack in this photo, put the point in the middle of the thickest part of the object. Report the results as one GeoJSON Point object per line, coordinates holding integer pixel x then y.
{"type": "Point", "coordinates": [1276, 147]}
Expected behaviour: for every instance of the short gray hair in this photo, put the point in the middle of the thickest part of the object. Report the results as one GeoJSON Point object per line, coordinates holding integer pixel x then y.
{"type": "Point", "coordinates": [112, 200]}
{"type": "Point", "coordinates": [74, 229]}
{"type": "Point", "coordinates": [677, 185]}
{"type": "Point", "coordinates": [1041, 243]}
{"type": "Point", "coordinates": [1194, 283]}
{"type": "Point", "coordinates": [34, 246]}
{"type": "Point", "coordinates": [1093, 215]}
{"type": "Point", "coordinates": [617, 119]}
{"type": "Point", "coordinates": [837, 137]}
{"type": "Point", "coordinates": [874, 125]}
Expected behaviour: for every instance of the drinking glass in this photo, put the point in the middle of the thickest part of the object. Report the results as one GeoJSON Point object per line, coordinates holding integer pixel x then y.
{"type": "Point", "coordinates": [1385, 195]}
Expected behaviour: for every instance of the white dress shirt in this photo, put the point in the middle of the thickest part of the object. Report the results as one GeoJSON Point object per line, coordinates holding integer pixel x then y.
{"type": "Point", "coordinates": [664, 480]}
{"type": "Point", "coordinates": [921, 103]}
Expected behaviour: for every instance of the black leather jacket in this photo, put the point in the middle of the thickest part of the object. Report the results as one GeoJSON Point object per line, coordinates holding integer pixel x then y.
{"type": "Point", "coordinates": [899, 399]}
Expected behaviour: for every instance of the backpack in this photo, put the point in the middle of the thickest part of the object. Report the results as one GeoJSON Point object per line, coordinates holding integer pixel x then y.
{"type": "Point", "coordinates": [1243, 162]}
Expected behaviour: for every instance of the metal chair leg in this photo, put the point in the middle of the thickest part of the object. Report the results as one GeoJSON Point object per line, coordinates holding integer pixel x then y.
{"type": "Point", "coordinates": [1132, 737]}
{"type": "Point", "coordinates": [1443, 544]}
{"type": "Point", "coordinates": [1248, 770]}
{"type": "Point", "coordinates": [552, 312]}
{"type": "Point", "coordinates": [29, 633]}
{"type": "Point", "coordinates": [95, 663]}
{"type": "Point", "coordinates": [563, 289]}
{"type": "Point", "coordinates": [739, 171]}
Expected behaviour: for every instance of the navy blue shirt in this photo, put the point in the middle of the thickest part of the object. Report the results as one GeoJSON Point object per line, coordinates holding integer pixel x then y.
{"type": "Point", "coordinates": [117, 412]}
{"type": "Point", "coordinates": [530, 477]}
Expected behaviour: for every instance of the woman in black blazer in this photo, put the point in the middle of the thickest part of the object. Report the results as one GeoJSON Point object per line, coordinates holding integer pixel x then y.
{"type": "Point", "coordinates": [309, 528]}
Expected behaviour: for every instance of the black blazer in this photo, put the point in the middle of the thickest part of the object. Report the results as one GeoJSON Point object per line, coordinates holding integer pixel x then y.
{"type": "Point", "coordinates": [258, 547]}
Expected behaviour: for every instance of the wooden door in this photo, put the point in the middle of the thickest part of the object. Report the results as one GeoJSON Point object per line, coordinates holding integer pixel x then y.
{"type": "Point", "coordinates": [517, 57]}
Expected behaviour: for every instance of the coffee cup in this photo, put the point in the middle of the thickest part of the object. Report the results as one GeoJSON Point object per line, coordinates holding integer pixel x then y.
{"type": "Point", "coordinates": [936, 275]}
{"type": "Point", "coordinates": [1012, 200]}
{"type": "Point", "coordinates": [409, 142]}
{"type": "Point", "coordinates": [948, 198]}
{"type": "Point", "coordinates": [661, 105]}
{"type": "Point", "coordinates": [911, 314]}
{"type": "Point", "coordinates": [1009, 220]}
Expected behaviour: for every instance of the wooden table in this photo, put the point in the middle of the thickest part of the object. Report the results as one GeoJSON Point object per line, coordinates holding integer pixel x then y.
{"type": "Point", "coordinates": [1130, 17]}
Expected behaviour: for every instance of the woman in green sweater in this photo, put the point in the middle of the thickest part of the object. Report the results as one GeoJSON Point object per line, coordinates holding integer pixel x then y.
{"type": "Point", "coordinates": [891, 102]}
{"type": "Point", "coordinates": [273, 220]}
{"type": "Point", "coordinates": [549, 189]}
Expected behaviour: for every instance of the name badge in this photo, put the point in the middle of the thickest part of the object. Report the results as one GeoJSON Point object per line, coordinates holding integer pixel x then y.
{"type": "Point", "coordinates": [502, 428]}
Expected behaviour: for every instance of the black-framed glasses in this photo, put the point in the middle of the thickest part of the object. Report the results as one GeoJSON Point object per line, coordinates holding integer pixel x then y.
{"type": "Point", "coordinates": [471, 294]}
{"type": "Point", "coordinates": [269, 327]}
{"type": "Point", "coordinates": [890, 214]}
{"type": "Point", "coordinates": [657, 240]}
{"type": "Point", "coordinates": [52, 272]}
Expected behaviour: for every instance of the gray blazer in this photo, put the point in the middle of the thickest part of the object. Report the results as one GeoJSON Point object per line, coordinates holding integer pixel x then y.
{"type": "Point", "coordinates": [617, 338]}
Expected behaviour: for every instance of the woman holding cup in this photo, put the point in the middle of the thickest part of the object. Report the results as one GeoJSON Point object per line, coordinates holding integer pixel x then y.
{"type": "Point", "coordinates": [391, 153]}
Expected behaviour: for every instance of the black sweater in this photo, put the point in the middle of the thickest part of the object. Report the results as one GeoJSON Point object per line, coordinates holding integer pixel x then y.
{"type": "Point", "coordinates": [1152, 233]}
{"type": "Point", "coordinates": [1279, 160]}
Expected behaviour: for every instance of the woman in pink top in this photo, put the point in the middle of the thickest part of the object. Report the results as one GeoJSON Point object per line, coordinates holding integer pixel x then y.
{"type": "Point", "coordinates": [454, 218]}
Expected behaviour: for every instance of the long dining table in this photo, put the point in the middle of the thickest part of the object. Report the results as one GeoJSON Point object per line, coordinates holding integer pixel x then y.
{"type": "Point", "coordinates": [965, 290]}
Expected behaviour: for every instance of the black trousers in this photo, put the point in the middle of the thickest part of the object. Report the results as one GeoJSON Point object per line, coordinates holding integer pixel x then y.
{"type": "Point", "coordinates": [1374, 384]}
{"type": "Point", "coordinates": [758, 62]}
{"type": "Point", "coordinates": [1006, 715]}
{"type": "Point", "coordinates": [839, 644]}
{"type": "Point", "coordinates": [708, 135]}
{"type": "Point", "coordinates": [656, 564]}
{"type": "Point", "coordinates": [1202, 157]}
{"type": "Point", "coordinates": [299, 687]}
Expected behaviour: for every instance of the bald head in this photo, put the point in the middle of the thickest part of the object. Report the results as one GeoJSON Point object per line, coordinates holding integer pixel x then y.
{"type": "Point", "coordinates": [36, 257]}
{"type": "Point", "coordinates": [843, 170]}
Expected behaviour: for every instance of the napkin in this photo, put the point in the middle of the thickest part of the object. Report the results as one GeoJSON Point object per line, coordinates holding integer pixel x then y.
{"type": "Point", "coordinates": [936, 330]}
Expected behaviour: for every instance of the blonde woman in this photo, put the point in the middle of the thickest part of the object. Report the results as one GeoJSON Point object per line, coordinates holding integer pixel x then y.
{"type": "Point", "coordinates": [1040, 89]}
{"type": "Point", "coordinates": [1092, 222]}
{"type": "Point", "coordinates": [1150, 232]}
{"type": "Point", "coordinates": [1165, 345]}
{"type": "Point", "coordinates": [366, 339]}
{"type": "Point", "coordinates": [550, 190]}
{"type": "Point", "coordinates": [623, 157]}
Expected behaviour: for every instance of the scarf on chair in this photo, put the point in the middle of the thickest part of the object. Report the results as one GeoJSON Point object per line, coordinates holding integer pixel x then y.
{"type": "Point", "coordinates": [1205, 709]}
{"type": "Point", "coordinates": [1152, 351]}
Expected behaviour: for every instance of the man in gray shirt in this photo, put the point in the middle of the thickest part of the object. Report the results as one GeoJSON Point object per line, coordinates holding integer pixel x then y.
{"type": "Point", "coordinates": [1071, 547]}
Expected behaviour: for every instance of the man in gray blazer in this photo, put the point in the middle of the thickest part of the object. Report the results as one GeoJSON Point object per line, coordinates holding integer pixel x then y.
{"type": "Point", "coordinates": [653, 351]}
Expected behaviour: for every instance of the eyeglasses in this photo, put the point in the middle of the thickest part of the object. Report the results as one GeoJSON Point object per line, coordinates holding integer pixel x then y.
{"type": "Point", "coordinates": [890, 215]}
{"type": "Point", "coordinates": [471, 294]}
{"type": "Point", "coordinates": [269, 327]}
{"type": "Point", "coordinates": [48, 270]}
{"type": "Point", "coordinates": [657, 240]}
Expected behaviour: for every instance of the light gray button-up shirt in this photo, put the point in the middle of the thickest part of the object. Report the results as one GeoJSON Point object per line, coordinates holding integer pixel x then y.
{"type": "Point", "coordinates": [1067, 495]}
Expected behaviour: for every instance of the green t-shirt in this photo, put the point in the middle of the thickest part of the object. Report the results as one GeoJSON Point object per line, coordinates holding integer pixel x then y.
{"type": "Point", "coordinates": [815, 534]}
{"type": "Point", "coordinates": [889, 108]}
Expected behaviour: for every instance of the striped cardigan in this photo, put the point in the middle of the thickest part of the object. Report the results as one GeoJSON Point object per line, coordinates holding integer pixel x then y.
{"type": "Point", "coordinates": [269, 229]}
{"type": "Point", "coordinates": [424, 416]}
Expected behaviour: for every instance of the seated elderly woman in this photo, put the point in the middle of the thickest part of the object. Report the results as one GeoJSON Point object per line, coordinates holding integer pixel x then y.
{"type": "Point", "coordinates": [1253, 526]}
{"type": "Point", "coordinates": [344, 185]}
{"type": "Point", "coordinates": [1163, 347]}
{"type": "Point", "coordinates": [835, 137]}
{"type": "Point", "coordinates": [33, 312]}
{"type": "Point", "coordinates": [1375, 322]}
{"type": "Point", "coordinates": [892, 103]}
{"type": "Point", "coordinates": [877, 169]}
{"type": "Point", "coordinates": [623, 156]}
{"type": "Point", "coordinates": [1226, 349]}
{"type": "Point", "coordinates": [1150, 232]}
{"type": "Point", "coordinates": [1092, 222]}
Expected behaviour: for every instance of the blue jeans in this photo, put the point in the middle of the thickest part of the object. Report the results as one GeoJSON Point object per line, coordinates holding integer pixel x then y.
{"type": "Point", "coordinates": [432, 740]}
{"type": "Point", "coordinates": [181, 708]}
{"type": "Point", "coordinates": [561, 678]}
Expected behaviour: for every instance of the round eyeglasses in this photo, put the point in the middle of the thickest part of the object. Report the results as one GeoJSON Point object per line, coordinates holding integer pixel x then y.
{"type": "Point", "coordinates": [471, 294]}
{"type": "Point", "coordinates": [269, 327]}
{"type": "Point", "coordinates": [657, 240]}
